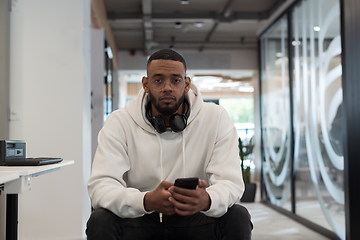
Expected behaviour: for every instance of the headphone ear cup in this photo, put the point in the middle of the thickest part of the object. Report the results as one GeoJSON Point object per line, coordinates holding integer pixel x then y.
{"type": "Point", "coordinates": [178, 122]}
{"type": "Point", "coordinates": [158, 123]}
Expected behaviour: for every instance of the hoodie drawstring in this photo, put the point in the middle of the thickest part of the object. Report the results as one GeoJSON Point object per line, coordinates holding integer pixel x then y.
{"type": "Point", "coordinates": [183, 151]}
{"type": "Point", "coordinates": [161, 167]}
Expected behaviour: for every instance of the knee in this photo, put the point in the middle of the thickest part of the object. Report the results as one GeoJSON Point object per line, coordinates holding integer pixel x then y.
{"type": "Point", "coordinates": [101, 221]}
{"type": "Point", "coordinates": [236, 223]}
{"type": "Point", "coordinates": [239, 212]}
{"type": "Point", "coordinates": [238, 215]}
{"type": "Point", "coordinates": [99, 217]}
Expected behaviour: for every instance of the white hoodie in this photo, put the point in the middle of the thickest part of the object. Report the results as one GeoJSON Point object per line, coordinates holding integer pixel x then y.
{"type": "Point", "coordinates": [132, 158]}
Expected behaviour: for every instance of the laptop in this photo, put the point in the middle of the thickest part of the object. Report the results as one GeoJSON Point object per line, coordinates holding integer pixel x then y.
{"type": "Point", "coordinates": [13, 153]}
{"type": "Point", "coordinates": [37, 161]}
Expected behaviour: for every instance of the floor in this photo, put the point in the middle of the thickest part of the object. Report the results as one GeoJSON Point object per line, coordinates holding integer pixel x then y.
{"type": "Point", "coordinates": [272, 225]}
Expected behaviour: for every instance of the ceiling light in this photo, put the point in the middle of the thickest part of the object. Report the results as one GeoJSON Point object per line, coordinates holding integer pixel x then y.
{"type": "Point", "coordinates": [227, 84]}
{"type": "Point", "coordinates": [207, 79]}
{"type": "Point", "coordinates": [184, 2]}
{"type": "Point", "coordinates": [246, 89]}
{"type": "Point", "coordinates": [199, 24]}
{"type": "Point", "coordinates": [316, 28]}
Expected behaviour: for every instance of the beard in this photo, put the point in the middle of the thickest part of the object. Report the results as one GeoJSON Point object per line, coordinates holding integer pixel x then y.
{"type": "Point", "coordinates": [167, 110]}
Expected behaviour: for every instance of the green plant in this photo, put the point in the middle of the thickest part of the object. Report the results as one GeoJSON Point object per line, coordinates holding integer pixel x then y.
{"type": "Point", "coordinates": [245, 169]}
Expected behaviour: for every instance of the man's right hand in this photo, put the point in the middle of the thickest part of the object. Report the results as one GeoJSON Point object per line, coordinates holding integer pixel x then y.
{"type": "Point", "coordinates": [158, 200]}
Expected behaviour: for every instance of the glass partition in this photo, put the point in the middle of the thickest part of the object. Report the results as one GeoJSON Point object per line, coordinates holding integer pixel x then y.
{"type": "Point", "coordinates": [318, 145]}
{"type": "Point", "coordinates": [314, 154]}
{"type": "Point", "coordinates": [275, 106]}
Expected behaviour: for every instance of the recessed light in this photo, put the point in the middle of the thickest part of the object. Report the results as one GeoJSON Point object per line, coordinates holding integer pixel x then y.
{"type": "Point", "coordinates": [316, 28]}
{"type": "Point", "coordinates": [199, 24]}
{"type": "Point", "coordinates": [184, 2]}
{"type": "Point", "coordinates": [246, 89]}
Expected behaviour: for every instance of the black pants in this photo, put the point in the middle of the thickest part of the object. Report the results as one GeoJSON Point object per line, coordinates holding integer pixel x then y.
{"type": "Point", "coordinates": [235, 224]}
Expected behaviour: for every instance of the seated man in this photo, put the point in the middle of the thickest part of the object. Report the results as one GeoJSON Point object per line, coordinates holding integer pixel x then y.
{"type": "Point", "coordinates": [167, 132]}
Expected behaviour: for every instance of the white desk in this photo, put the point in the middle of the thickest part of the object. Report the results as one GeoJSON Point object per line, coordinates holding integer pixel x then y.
{"type": "Point", "coordinates": [8, 176]}
{"type": "Point", "coordinates": [33, 170]}
{"type": "Point", "coordinates": [16, 180]}
{"type": "Point", "coordinates": [23, 182]}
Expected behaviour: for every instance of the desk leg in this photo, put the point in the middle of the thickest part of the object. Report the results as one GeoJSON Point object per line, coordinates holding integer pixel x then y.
{"type": "Point", "coordinates": [11, 216]}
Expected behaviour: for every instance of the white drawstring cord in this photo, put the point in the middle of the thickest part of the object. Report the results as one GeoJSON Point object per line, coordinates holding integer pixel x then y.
{"type": "Point", "coordinates": [161, 168]}
{"type": "Point", "coordinates": [183, 152]}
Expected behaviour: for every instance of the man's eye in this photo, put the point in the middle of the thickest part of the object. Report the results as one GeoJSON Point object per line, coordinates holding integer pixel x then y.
{"type": "Point", "coordinates": [176, 80]}
{"type": "Point", "coordinates": [157, 81]}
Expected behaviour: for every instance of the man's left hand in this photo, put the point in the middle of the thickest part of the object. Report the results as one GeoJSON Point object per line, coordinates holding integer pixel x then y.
{"type": "Point", "coordinates": [190, 201]}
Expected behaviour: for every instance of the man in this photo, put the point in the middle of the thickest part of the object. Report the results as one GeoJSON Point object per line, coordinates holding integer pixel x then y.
{"type": "Point", "coordinates": [167, 132]}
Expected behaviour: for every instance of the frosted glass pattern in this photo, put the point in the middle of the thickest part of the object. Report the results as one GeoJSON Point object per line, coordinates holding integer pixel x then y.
{"type": "Point", "coordinates": [317, 116]}
{"type": "Point", "coordinates": [275, 106]}
{"type": "Point", "coordinates": [318, 150]}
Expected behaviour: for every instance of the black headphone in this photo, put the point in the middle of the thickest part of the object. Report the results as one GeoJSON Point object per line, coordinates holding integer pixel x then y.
{"type": "Point", "coordinates": [177, 121]}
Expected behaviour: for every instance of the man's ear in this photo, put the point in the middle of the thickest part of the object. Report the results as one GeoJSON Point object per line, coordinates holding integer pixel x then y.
{"type": "Point", "coordinates": [187, 84]}
{"type": "Point", "coordinates": [145, 84]}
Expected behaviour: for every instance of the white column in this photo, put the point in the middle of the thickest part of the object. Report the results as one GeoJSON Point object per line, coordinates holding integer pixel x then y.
{"type": "Point", "coordinates": [4, 69]}
{"type": "Point", "coordinates": [4, 91]}
{"type": "Point", "coordinates": [97, 84]}
{"type": "Point", "coordinates": [50, 92]}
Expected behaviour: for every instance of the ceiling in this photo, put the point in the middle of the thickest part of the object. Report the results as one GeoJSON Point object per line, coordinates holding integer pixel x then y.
{"type": "Point", "coordinates": [145, 25]}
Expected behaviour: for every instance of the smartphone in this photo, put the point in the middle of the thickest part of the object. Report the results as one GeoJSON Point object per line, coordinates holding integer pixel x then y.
{"type": "Point", "coordinates": [188, 183]}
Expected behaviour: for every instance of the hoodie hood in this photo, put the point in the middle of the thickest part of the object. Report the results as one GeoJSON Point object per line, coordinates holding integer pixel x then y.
{"type": "Point", "coordinates": [136, 107]}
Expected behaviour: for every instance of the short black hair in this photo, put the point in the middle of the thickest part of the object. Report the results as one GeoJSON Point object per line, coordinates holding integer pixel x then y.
{"type": "Point", "coordinates": [167, 54]}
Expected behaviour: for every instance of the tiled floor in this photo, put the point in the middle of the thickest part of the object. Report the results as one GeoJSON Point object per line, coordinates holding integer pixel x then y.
{"type": "Point", "coordinates": [271, 225]}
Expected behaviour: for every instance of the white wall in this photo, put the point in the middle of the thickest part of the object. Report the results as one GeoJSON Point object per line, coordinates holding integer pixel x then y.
{"type": "Point", "coordinates": [50, 96]}
{"type": "Point", "coordinates": [4, 91]}
{"type": "Point", "coordinates": [97, 85]}
{"type": "Point", "coordinates": [4, 68]}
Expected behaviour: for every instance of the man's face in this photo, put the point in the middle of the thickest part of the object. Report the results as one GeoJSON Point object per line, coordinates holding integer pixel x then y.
{"type": "Point", "coordinates": [167, 100]}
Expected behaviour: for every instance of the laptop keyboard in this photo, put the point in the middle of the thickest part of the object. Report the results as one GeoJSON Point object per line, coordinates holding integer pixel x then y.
{"type": "Point", "coordinates": [38, 161]}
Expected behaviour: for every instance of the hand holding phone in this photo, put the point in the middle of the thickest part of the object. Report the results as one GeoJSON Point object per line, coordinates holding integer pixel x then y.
{"type": "Point", "coordinates": [190, 197]}
{"type": "Point", "coordinates": [188, 183]}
